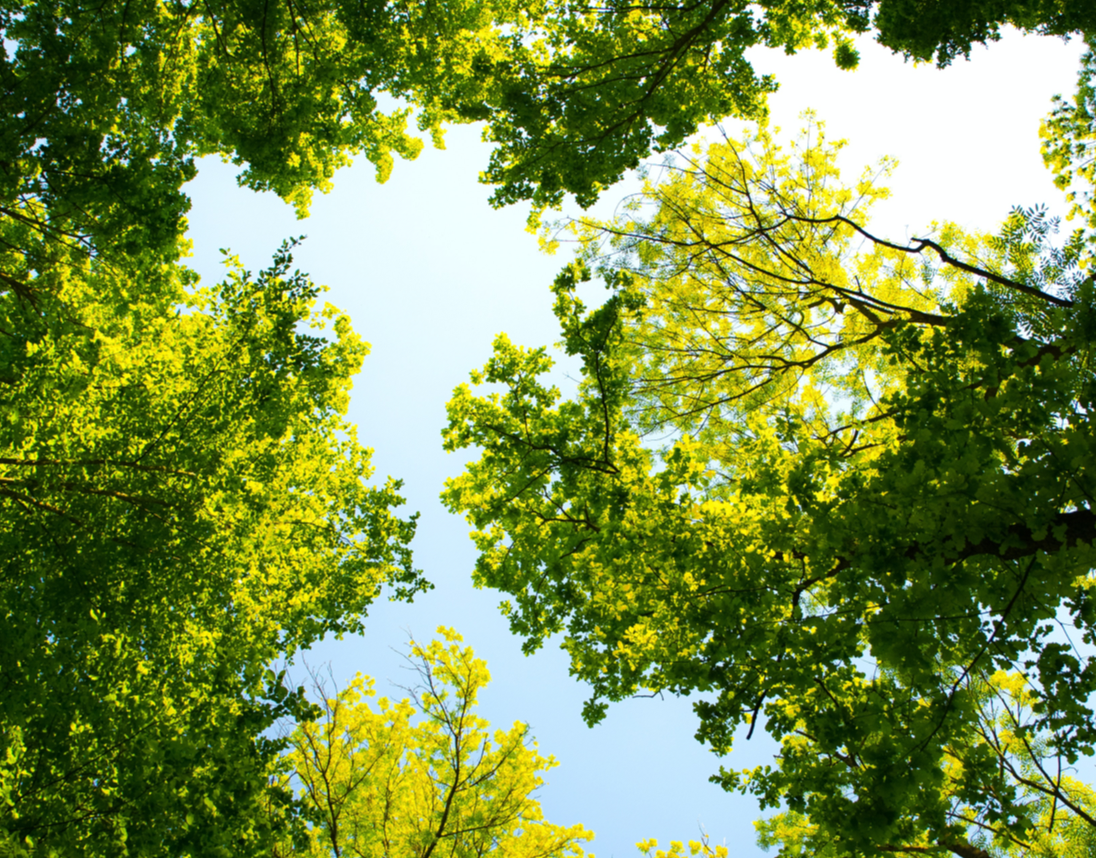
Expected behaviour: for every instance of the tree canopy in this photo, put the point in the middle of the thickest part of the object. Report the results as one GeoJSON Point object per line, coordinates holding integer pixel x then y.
{"type": "Point", "coordinates": [184, 504]}
{"type": "Point", "coordinates": [109, 105]}
{"type": "Point", "coordinates": [834, 483]}
{"type": "Point", "coordinates": [379, 782]}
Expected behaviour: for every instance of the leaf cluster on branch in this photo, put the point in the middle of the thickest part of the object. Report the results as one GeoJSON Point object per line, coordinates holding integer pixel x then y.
{"type": "Point", "coordinates": [424, 776]}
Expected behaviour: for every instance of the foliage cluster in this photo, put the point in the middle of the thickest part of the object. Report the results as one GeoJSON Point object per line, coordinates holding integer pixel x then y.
{"type": "Point", "coordinates": [379, 783]}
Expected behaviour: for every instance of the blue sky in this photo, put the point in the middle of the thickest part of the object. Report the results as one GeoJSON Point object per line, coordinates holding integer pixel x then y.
{"type": "Point", "coordinates": [429, 273]}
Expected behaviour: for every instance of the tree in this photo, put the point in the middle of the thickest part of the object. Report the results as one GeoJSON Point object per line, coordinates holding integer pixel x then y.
{"type": "Point", "coordinates": [376, 782]}
{"type": "Point", "coordinates": [183, 503]}
{"type": "Point", "coordinates": [109, 105]}
{"type": "Point", "coordinates": [824, 479]}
